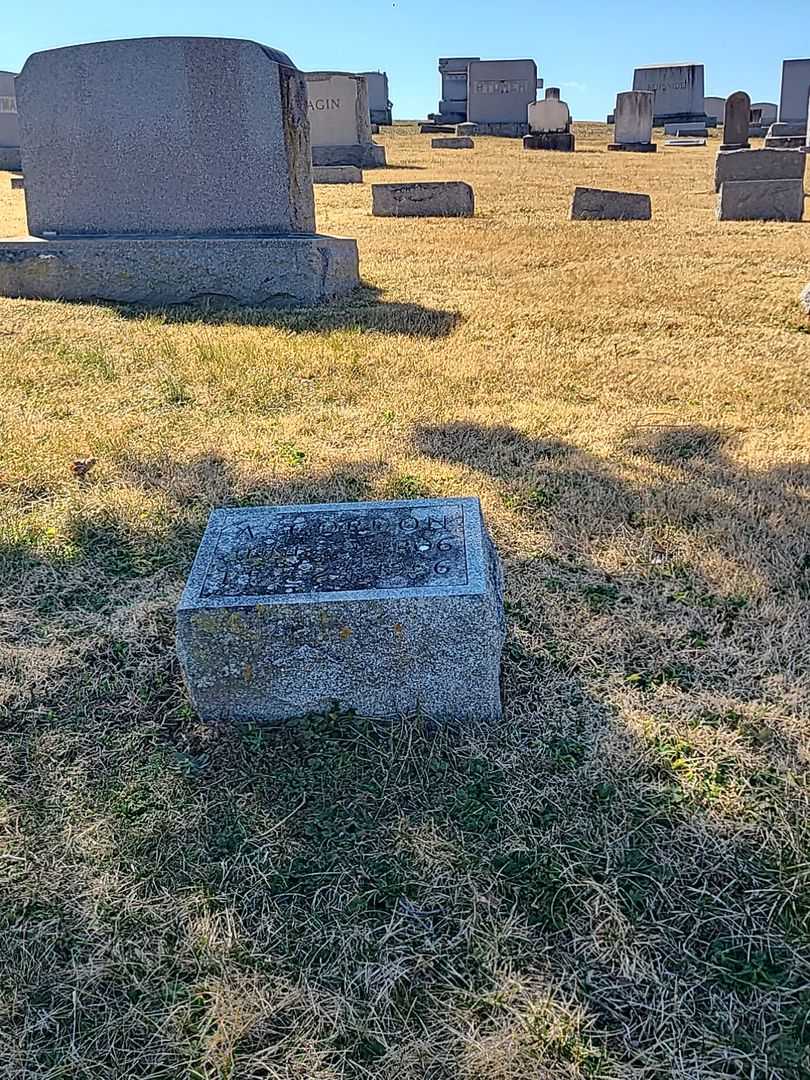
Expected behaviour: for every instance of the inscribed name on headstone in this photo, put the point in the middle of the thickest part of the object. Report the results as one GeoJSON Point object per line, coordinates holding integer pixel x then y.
{"type": "Point", "coordinates": [678, 90]}
{"type": "Point", "coordinates": [382, 607]}
{"type": "Point", "coordinates": [500, 91]}
{"type": "Point", "coordinates": [338, 109]}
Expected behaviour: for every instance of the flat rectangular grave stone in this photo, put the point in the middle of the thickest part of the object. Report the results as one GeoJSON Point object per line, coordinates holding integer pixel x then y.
{"type": "Point", "coordinates": [336, 174]}
{"type": "Point", "coordinates": [761, 200]}
{"type": "Point", "coordinates": [17, 183]}
{"type": "Point", "coordinates": [449, 198]}
{"type": "Point", "coordinates": [458, 142]}
{"type": "Point", "coordinates": [384, 608]}
{"type": "Point", "coordinates": [591, 204]}
{"type": "Point", "coordinates": [687, 142]}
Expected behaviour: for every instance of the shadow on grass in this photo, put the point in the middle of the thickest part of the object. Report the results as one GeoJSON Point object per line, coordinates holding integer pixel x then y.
{"type": "Point", "coordinates": [363, 311]}
{"type": "Point", "coordinates": [612, 873]}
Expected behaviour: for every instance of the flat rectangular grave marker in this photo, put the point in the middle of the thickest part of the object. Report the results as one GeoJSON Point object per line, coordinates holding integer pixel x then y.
{"type": "Point", "coordinates": [381, 607]}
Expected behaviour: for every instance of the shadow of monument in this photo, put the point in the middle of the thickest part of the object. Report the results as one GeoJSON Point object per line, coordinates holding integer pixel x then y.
{"type": "Point", "coordinates": [361, 311]}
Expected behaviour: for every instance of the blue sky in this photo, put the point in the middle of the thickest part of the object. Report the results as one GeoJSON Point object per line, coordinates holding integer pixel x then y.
{"type": "Point", "coordinates": [587, 47]}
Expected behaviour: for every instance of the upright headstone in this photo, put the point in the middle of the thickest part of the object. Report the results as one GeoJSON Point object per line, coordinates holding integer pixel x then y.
{"type": "Point", "coordinates": [633, 118]}
{"type": "Point", "coordinates": [383, 608]}
{"type": "Point", "coordinates": [794, 92]}
{"type": "Point", "coordinates": [9, 124]}
{"type": "Point", "coordinates": [162, 170]}
{"type": "Point", "coordinates": [498, 95]}
{"type": "Point", "coordinates": [738, 118]}
{"type": "Point", "coordinates": [549, 124]}
{"type": "Point", "coordinates": [678, 89]}
{"type": "Point", "coordinates": [715, 109]}
{"type": "Point", "coordinates": [379, 104]}
{"type": "Point", "coordinates": [339, 120]}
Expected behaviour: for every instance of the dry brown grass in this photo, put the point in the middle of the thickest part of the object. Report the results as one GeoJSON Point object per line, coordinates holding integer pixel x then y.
{"type": "Point", "coordinates": [616, 881]}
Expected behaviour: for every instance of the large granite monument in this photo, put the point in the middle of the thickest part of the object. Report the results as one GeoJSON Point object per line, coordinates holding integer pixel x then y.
{"type": "Point", "coordinates": [385, 608]}
{"type": "Point", "coordinates": [499, 93]}
{"type": "Point", "coordinates": [9, 124]}
{"type": "Point", "coordinates": [453, 71]}
{"type": "Point", "coordinates": [165, 170]}
{"type": "Point", "coordinates": [549, 124]}
{"type": "Point", "coordinates": [339, 120]}
{"type": "Point", "coordinates": [633, 119]}
{"type": "Point", "coordinates": [715, 109]}
{"type": "Point", "coordinates": [379, 105]}
{"type": "Point", "coordinates": [678, 89]}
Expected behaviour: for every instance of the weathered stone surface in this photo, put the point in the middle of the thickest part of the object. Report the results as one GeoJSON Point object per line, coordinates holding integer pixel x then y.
{"type": "Point", "coordinates": [633, 117]}
{"type": "Point", "coordinates": [436, 129]}
{"type": "Point", "coordinates": [737, 121]}
{"type": "Point", "coordinates": [512, 130]}
{"type": "Point", "coordinates": [379, 105]}
{"type": "Point", "coordinates": [467, 129]}
{"type": "Point", "coordinates": [339, 120]}
{"type": "Point", "coordinates": [688, 142]}
{"type": "Point", "coordinates": [384, 608]}
{"type": "Point", "coordinates": [499, 93]}
{"type": "Point", "coordinates": [457, 142]}
{"type": "Point", "coordinates": [158, 271]}
{"type": "Point", "coordinates": [451, 198]}
{"type": "Point", "coordinates": [794, 93]}
{"type": "Point", "coordinates": [763, 164]}
{"type": "Point", "coordinates": [547, 115]}
{"type": "Point", "coordinates": [678, 89]}
{"type": "Point", "coordinates": [549, 140]}
{"type": "Point", "coordinates": [590, 204]}
{"type": "Point", "coordinates": [715, 108]}
{"type": "Point", "coordinates": [189, 136]}
{"type": "Point", "coordinates": [761, 200]}
{"type": "Point", "coordinates": [17, 183]}
{"type": "Point", "coordinates": [336, 174]}
{"type": "Point", "coordinates": [9, 123]}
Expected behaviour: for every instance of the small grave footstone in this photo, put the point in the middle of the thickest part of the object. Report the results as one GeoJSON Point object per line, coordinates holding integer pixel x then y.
{"type": "Point", "coordinates": [761, 200]}
{"type": "Point", "coordinates": [467, 129]}
{"type": "Point", "coordinates": [758, 165]}
{"type": "Point", "coordinates": [17, 183]}
{"type": "Point", "coordinates": [737, 121]}
{"type": "Point", "coordinates": [436, 129]}
{"type": "Point", "coordinates": [385, 608]}
{"type": "Point", "coordinates": [451, 198]}
{"type": "Point", "coordinates": [593, 204]}
{"type": "Point", "coordinates": [457, 142]}
{"type": "Point", "coordinates": [336, 174]}
{"type": "Point", "coordinates": [686, 142]}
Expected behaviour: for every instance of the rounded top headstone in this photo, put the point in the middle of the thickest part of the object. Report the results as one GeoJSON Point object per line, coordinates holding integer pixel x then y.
{"type": "Point", "coordinates": [737, 120]}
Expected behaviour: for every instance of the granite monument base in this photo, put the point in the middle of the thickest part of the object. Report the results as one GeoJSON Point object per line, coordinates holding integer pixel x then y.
{"type": "Point", "coordinates": [761, 200]}
{"type": "Point", "coordinates": [384, 608]}
{"type": "Point", "coordinates": [635, 147]}
{"type": "Point", "coordinates": [549, 140]}
{"type": "Point", "coordinates": [511, 130]}
{"type": "Point", "coordinates": [275, 271]}
{"type": "Point", "coordinates": [764, 164]}
{"type": "Point", "coordinates": [10, 160]}
{"type": "Point", "coordinates": [363, 155]}
{"type": "Point", "coordinates": [336, 174]}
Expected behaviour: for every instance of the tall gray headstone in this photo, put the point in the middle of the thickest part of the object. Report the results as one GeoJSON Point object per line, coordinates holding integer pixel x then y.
{"type": "Point", "coordinates": [678, 89]}
{"type": "Point", "coordinates": [737, 121]}
{"type": "Point", "coordinates": [633, 119]}
{"type": "Point", "coordinates": [161, 170]}
{"type": "Point", "coordinates": [453, 72]}
{"type": "Point", "coordinates": [339, 120]}
{"type": "Point", "coordinates": [499, 93]}
{"type": "Point", "coordinates": [794, 93]}
{"type": "Point", "coordinates": [385, 608]}
{"type": "Point", "coordinates": [379, 105]}
{"type": "Point", "coordinates": [9, 124]}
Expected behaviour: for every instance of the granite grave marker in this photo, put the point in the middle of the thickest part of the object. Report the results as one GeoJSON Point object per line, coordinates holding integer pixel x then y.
{"type": "Point", "coordinates": [384, 608]}
{"type": "Point", "coordinates": [9, 124]}
{"type": "Point", "coordinates": [633, 118]}
{"type": "Point", "coordinates": [339, 121]}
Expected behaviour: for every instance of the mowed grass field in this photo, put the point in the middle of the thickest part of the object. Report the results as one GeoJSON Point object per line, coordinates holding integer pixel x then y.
{"type": "Point", "coordinates": [612, 883]}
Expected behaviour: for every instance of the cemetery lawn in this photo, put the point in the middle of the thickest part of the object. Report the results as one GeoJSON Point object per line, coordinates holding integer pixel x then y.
{"type": "Point", "coordinates": [612, 883]}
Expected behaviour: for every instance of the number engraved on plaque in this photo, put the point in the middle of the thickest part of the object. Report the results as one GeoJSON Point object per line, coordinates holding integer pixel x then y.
{"type": "Point", "coordinates": [341, 550]}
